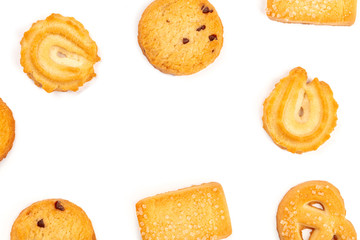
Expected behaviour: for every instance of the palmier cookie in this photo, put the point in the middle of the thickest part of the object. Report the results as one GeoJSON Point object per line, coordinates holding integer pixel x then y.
{"type": "Point", "coordinates": [197, 212]}
{"type": "Point", "coordinates": [52, 219]}
{"type": "Point", "coordinates": [58, 54]}
{"type": "Point", "coordinates": [7, 129]}
{"type": "Point", "coordinates": [180, 37]}
{"type": "Point", "coordinates": [325, 12]}
{"type": "Point", "coordinates": [300, 115]}
{"type": "Point", "coordinates": [317, 207]}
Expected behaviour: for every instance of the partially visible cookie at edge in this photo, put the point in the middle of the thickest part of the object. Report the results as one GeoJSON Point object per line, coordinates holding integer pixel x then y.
{"type": "Point", "coordinates": [7, 129]}
{"type": "Point", "coordinates": [180, 37]}
{"type": "Point", "coordinates": [320, 12]}
{"type": "Point", "coordinates": [52, 219]}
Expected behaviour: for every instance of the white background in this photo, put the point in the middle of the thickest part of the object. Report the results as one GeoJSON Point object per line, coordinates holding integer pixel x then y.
{"type": "Point", "coordinates": [133, 131]}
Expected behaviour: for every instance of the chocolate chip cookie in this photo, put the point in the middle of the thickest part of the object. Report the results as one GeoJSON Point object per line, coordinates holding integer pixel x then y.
{"type": "Point", "coordinates": [52, 219]}
{"type": "Point", "coordinates": [180, 37]}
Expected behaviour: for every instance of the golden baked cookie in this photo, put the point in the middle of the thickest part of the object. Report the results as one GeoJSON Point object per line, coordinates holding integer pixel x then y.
{"type": "Point", "coordinates": [325, 12]}
{"type": "Point", "coordinates": [197, 212]}
{"type": "Point", "coordinates": [7, 129]}
{"type": "Point", "coordinates": [52, 219]}
{"type": "Point", "coordinates": [180, 37]}
{"type": "Point", "coordinates": [316, 206]}
{"type": "Point", "coordinates": [58, 54]}
{"type": "Point", "coordinates": [300, 115]}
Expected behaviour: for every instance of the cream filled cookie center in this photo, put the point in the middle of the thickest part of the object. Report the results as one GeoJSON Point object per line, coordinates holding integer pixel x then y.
{"type": "Point", "coordinates": [64, 57]}
{"type": "Point", "coordinates": [303, 105]}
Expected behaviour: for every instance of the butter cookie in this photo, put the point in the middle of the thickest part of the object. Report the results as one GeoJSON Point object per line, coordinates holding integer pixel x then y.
{"type": "Point", "coordinates": [7, 129]}
{"type": "Point", "coordinates": [299, 115]}
{"type": "Point", "coordinates": [58, 54]}
{"type": "Point", "coordinates": [180, 37]}
{"type": "Point", "coordinates": [324, 12]}
{"type": "Point", "coordinates": [52, 219]}
{"type": "Point", "coordinates": [316, 206]}
{"type": "Point", "coordinates": [197, 212]}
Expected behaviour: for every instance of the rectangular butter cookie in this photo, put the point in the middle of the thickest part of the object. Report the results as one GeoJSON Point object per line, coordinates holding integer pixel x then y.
{"type": "Point", "coordinates": [322, 12]}
{"type": "Point", "coordinates": [197, 212]}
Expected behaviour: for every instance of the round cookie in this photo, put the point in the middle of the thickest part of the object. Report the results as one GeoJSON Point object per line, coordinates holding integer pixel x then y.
{"type": "Point", "coordinates": [52, 219]}
{"type": "Point", "coordinates": [58, 54]}
{"type": "Point", "coordinates": [299, 115]}
{"type": "Point", "coordinates": [7, 129]}
{"type": "Point", "coordinates": [180, 37]}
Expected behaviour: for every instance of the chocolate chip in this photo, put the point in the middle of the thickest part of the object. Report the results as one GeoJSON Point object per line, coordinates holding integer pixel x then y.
{"type": "Point", "coordinates": [202, 7]}
{"type": "Point", "coordinates": [213, 37]}
{"type": "Point", "coordinates": [58, 206]}
{"type": "Point", "coordinates": [206, 10]}
{"type": "Point", "coordinates": [201, 28]}
{"type": "Point", "coordinates": [185, 40]}
{"type": "Point", "coordinates": [167, 21]}
{"type": "Point", "coordinates": [41, 223]}
{"type": "Point", "coordinates": [213, 50]}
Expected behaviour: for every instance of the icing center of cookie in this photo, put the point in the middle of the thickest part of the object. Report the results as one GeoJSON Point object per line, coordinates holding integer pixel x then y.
{"type": "Point", "coordinates": [64, 57]}
{"type": "Point", "coordinates": [299, 103]}
{"type": "Point", "coordinates": [303, 106]}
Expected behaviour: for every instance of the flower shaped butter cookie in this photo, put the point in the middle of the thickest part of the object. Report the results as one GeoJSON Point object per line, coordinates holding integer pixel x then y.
{"type": "Point", "coordinates": [58, 54]}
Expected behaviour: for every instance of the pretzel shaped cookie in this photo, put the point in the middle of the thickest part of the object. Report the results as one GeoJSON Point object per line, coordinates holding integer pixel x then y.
{"type": "Point", "coordinates": [58, 54]}
{"type": "Point", "coordinates": [314, 205]}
